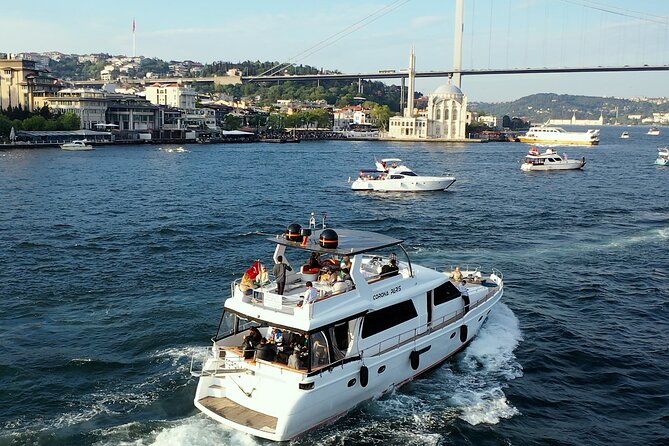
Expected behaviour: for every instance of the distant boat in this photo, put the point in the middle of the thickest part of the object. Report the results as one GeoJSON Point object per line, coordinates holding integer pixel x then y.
{"type": "Point", "coordinates": [549, 160]}
{"type": "Point", "coordinates": [555, 135]}
{"type": "Point", "coordinates": [78, 145]}
{"type": "Point", "coordinates": [653, 131]}
{"type": "Point", "coordinates": [662, 157]}
{"type": "Point", "coordinates": [625, 135]}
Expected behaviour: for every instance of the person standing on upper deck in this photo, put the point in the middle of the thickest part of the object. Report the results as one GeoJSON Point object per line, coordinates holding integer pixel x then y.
{"type": "Point", "coordinates": [279, 271]}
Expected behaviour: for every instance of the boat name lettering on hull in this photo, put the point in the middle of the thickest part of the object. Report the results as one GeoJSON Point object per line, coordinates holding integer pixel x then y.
{"type": "Point", "coordinates": [385, 293]}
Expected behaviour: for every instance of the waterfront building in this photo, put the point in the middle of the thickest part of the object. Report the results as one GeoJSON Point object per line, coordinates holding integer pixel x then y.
{"type": "Point", "coordinates": [172, 95]}
{"type": "Point", "coordinates": [21, 81]}
{"type": "Point", "coordinates": [574, 121]}
{"type": "Point", "coordinates": [131, 114]}
{"type": "Point", "coordinates": [350, 115]}
{"type": "Point", "coordinates": [89, 104]}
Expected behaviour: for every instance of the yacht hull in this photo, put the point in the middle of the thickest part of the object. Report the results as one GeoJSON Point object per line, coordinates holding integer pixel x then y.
{"type": "Point", "coordinates": [281, 410]}
{"type": "Point", "coordinates": [410, 184]}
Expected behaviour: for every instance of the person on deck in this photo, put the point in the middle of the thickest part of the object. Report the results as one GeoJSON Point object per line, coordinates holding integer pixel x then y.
{"type": "Point", "coordinates": [279, 271]}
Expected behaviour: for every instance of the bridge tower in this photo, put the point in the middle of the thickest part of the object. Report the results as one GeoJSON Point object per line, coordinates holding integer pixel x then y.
{"type": "Point", "coordinates": [457, 41]}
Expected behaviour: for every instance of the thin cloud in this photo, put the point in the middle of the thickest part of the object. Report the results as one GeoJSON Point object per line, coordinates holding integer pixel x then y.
{"type": "Point", "coordinates": [427, 20]}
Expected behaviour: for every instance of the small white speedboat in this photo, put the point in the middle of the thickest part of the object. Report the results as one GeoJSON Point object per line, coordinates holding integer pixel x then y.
{"type": "Point", "coordinates": [392, 176]}
{"type": "Point", "coordinates": [625, 135]}
{"type": "Point", "coordinates": [77, 145]}
{"type": "Point", "coordinates": [662, 157]}
{"type": "Point", "coordinates": [549, 160]}
{"type": "Point", "coordinates": [653, 131]}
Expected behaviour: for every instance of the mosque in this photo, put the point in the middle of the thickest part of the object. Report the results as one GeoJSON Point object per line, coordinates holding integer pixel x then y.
{"type": "Point", "coordinates": [444, 119]}
{"type": "Point", "coordinates": [446, 114]}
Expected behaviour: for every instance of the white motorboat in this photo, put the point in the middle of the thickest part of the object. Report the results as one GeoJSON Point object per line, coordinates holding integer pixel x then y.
{"type": "Point", "coordinates": [545, 134]}
{"type": "Point", "coordinates": [662, 157]}
{"type": "Point", "coordinates": [549, 160]}
{"type": "Point", "coordinates": [355, 341]}
{"type": "Point", "coordinates": [77, 145]}
{"type": "Point", "coordinates": [653, 131]}
{"type": "Point", "coordinates": [392, 176]}
{"type": "Point", "coordinates": [625, 135]}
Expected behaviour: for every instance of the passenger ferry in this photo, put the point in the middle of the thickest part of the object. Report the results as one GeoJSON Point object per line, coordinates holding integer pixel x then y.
{"type": "Point", "coordinates": [549, 160]}
{"type": "Point", "coordinates": [281, 365]}
{"type": "Point", "coordinates": [545, 134]}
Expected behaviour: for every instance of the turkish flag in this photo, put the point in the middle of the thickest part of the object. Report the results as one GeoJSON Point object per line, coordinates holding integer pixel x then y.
{"type": "Point", "coordinates": [254, 270]}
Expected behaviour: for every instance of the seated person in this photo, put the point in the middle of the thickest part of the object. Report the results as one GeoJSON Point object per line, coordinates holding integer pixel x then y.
{"type": "Point", "coordinates": [310, 295]}
{"type": "Point", "coordinates": [314, 262]}
{"type": "Point", "coordinates": [319, 354]}
{"type": "Point", "coordinates": [345, 263]}
{"type": "Point", "coordinates": [255, 336]}
{"type": "Point", "coordinates": [346, 275]}
{"type": "Point", "coordinates": [246, 285]}
{"type": "Point", "coordinates": [294, 361]}
{"type": "Point", "coordinates": [328, 277]}
{"type": "Point", "coordinates": [266, 351]}
{"type": "Point", "coordinates": [390, 270]}
{"type": "Point", "coordinates": [263, 277]}
{"type": "Point", "coordinates": [456, 275]}
{"type": "Point", "coordinates": [339, 286]}
{"type": "Point", "coordinates": [275, 336]}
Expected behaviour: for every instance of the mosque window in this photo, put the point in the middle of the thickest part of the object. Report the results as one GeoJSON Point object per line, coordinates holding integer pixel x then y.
{"type": "Point", "coordinates": [438, 114]}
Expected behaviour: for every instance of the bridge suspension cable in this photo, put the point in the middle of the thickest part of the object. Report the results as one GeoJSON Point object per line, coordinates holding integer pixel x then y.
{"type": "Point", "coordinates": [335, 37]}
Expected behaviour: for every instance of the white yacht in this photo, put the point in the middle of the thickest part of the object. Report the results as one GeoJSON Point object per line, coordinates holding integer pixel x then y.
{"type": "Point", "coordinates": [77, 145]}
{"type": "Point", "coordinates": [549, 160]}
{"type": "Point", "coordinates": [654, 131]}
{"type": "Point", "coordinates": [382, 328]}
{"type": "Point", "coordinates": [662, 157]}
{"type": "Point", "coordinates": [545, 134]}
{"type": "Point", "coordinates": [391, 175]}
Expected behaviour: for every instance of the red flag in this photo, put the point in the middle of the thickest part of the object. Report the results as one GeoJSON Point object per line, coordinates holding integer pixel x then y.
{"type": "Point", "coordinates": [254, 270]}
{"type": "Point", "coordinates": [133, 24]}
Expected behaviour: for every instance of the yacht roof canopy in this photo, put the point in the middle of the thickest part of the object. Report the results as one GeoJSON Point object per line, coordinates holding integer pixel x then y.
{"type": "Point", "coordinates": [351, 242]}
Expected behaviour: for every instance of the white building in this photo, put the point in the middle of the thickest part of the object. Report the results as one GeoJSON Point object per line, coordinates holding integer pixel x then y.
{"type": "Point", "coordinates": [90, 105]}
{"type": "Point", "coordinates": [173, 95]}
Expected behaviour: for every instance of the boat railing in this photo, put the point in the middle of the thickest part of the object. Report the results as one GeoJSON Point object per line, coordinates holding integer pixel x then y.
{"type": "Point", "coordinates": [217, 362]}
{"type": "Point", "coordinates": [467, 269]}
{"type": "Point", "coordinates": [425, 329]}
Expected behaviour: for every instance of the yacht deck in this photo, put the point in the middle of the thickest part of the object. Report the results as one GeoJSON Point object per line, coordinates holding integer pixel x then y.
{"type": "Point", "coordinates": [236, 413]}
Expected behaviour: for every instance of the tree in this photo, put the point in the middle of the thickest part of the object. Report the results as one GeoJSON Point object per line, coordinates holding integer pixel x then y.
{"type": "Point", "coordinates": [231, 122]}
{"type": "Point", "coordinates": [382, 115]}
{"type": "Point", "coordinates": [70, 121]}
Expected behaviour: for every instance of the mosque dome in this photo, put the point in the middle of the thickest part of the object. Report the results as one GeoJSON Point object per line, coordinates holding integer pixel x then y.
{"type": "Point", "coordinates": [448, 89]}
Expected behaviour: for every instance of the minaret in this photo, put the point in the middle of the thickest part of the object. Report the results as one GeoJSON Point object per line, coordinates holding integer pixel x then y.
{"type": "Point", "coordinates": [408, 112]}
{"type": "Point", "coordinates": [457, 41]}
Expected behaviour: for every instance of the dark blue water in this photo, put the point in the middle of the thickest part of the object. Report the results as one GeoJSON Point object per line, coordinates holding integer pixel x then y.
{"type": "Point", "coordinates": [114, 265]}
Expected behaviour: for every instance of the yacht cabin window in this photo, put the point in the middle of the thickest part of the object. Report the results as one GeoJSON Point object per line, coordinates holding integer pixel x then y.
{"type": "Point", "coordinates": [380, 320]}
{"type": "Point", "coordinates": [445, 292]}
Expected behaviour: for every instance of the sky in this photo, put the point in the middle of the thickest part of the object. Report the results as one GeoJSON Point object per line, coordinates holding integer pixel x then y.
{"type": "Point", "coordinates": [371, 35]}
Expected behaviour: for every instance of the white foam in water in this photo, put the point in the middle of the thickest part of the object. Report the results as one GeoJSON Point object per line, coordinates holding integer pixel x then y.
{"type": "Point", "coordinates": [193, 431]}
{"type": "Point", "coordinates": [488, 362]}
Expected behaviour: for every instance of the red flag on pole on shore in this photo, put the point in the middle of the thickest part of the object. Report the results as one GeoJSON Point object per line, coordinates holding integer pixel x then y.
{"type": "Point", "coordinates": [254, 270]}
{"type": "Point", "coordinates": [133, 24]}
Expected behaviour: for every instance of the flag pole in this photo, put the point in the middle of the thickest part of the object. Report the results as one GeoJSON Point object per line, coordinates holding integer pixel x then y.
{"type": "Point", "coordinates": [133, 37]}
